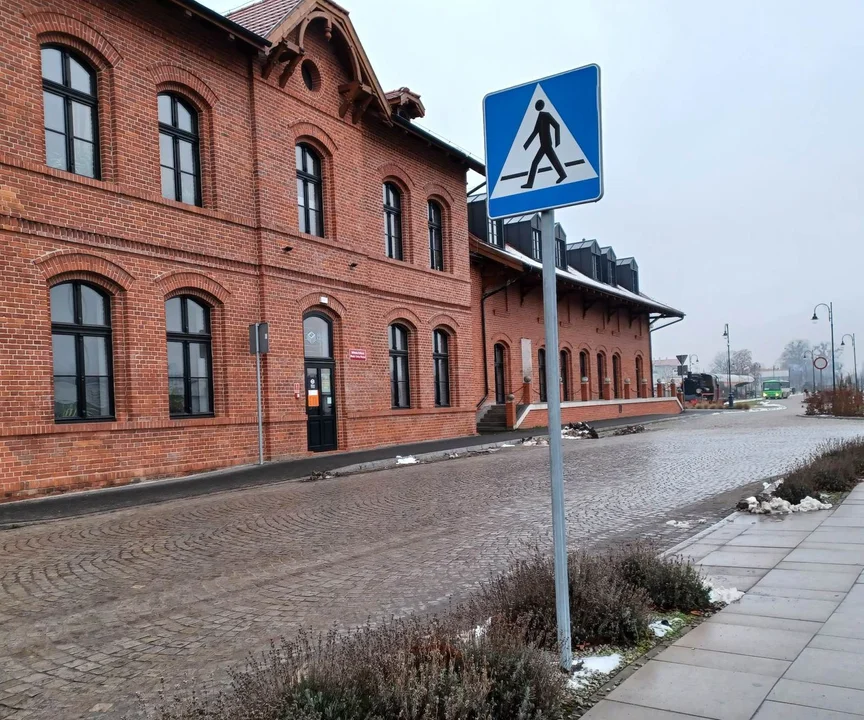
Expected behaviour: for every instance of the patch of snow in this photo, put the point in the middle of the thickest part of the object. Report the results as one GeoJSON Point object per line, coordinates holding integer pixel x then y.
{"type": "Point", "coordinates": [660, 628]}
{"type": "Point", "coordinates": [683, 524]}
{"type": "Point", "coordinates": [539, 441]}
{"type": "Point", "coordinates": [477, 633]}
{"type": "Point", "coordinates": [507, 445]}
{"type": "Point", "coordinates": [721, 594]}
{"type": "Point", "coordinates": [585, 669]}
{"type": "Point", "coordinates": [809, 504]}
{"type": "Point", "coordinates": [407, 460]}
{"type": "Point", "coordinates": [725, 595]}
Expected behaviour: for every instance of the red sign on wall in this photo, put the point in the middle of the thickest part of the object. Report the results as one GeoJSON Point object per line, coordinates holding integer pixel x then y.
{"type": "Point", "coordinates": [356, 354]}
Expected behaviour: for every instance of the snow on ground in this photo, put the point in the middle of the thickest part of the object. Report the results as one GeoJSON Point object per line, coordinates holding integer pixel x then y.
{"type": "Point", "coordinates": [776, 506]}
{"type": "Point", "coordinates": [407, 460]}
{"type": "Point", "coordinates": [683, 524]}
{"type": "Point", "coordinates": [721, 594]}
{"type": "Point", "coordinates": [587, 667]}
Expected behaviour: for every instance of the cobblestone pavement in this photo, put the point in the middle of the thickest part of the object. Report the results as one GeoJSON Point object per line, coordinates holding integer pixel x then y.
{"type": "Point", "coordinates": [97, 608]}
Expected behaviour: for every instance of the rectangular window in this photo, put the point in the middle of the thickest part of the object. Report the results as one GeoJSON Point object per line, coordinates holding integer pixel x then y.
{"type": "Point", "coordinates": [536, 245]}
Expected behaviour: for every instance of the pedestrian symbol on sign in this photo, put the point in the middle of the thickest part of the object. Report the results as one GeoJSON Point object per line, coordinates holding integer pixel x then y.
{"type": "Point", "coordinates": [542, 135]}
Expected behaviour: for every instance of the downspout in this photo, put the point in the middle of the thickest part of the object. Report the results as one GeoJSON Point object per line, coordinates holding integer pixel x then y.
{"type": "Point", "coordinates": [483, 299]}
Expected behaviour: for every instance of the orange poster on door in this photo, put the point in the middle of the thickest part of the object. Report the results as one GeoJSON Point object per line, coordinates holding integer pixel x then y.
{"type": "Point", "coordinates": [312, 398]}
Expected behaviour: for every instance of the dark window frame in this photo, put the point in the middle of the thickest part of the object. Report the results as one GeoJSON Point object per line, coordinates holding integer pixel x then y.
{"type": "Point", "coordinates": [541, 374]}
{"type": "Point", "coordinates": [79, 330]}
{"type": "Point", "coordinates": [441, 363]}
{"type": "Point", "coordinates": [186, 338]}
{"type": "Point", "coordinates": [601, 372]}
{"type": "Point", "coordinates": [313, 183]}
{"type": "Point", "coordinates": [393, 221]}
{"type": "Point", "coordinates": [399, 360]}
{"type": "Point", "coordinates": [616, 376]}
{"type": "Point", "coordinates": [329, 322]}
{"type": "Point", "coordinates": [640, 370]}
{"type": "Point", "coordinates": [177, 135]}
{"type": "Point", "coordinates": [560, 254]}
{"type": "Point", "coordinates": [494, 234]}
{"type": "Point", "coordinates": [566, 385]}
{"type": "Point", "coordinates": [435, 219]}
{"type": "Point", "coordinates": [69, 95]}
{"type": "Point", "coordinates": [537, 244]}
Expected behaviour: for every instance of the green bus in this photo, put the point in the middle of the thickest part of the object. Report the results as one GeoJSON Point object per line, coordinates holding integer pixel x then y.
{"type": "Point", "coordinates": [775, 390]}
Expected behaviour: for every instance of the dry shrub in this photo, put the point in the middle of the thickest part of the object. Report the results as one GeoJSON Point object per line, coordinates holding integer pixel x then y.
{"type": "Point", "coordinates": [411, 670]}
{"type": "Point", "coordinates": [794, 489]}
{"type": "Point", "coordinates": [845, 402]}
{"type": "Point", "coordinates": [852, 449]}
{"type": "Point", "coordinates": [672, 583]}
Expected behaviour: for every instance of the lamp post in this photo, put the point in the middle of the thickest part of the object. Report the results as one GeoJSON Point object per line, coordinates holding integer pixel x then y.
{"type": "Point", "coordinates": [729, 365]}
{"type": "Point", "coordinates": [693, 359]}
{"type": "Point", "coordinates": [830, 308]}
{"type": "Point", "coordinates": [812, 366]}
{"type": "Point", "coordinates": [854, 355]}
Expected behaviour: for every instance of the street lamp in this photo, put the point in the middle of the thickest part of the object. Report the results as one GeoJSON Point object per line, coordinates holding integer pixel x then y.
{"type": "Point", "coordinates": [729, 364]}
{"type": "Point", "coordinates": [854, 355]}
{"type": "Point", "coordinates": [812, 365]}
{"type": "Point", "coordinates": [815, 318]}
{"type": "Point", "coordinates": [694, 359]}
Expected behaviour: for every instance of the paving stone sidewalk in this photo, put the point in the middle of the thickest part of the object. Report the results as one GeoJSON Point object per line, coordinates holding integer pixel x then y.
{"type": "Point", "coordinates": [792, 648]}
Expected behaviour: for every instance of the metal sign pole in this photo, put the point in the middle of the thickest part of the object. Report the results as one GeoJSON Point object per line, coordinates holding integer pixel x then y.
{"type": "Point", "coordinates": [260, 418]}
{"type": "Point", "coordinates": [556, 459]}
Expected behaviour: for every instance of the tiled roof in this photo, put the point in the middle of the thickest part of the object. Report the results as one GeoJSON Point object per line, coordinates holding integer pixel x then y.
{"type": "Point", "coordinates": [262, 17]}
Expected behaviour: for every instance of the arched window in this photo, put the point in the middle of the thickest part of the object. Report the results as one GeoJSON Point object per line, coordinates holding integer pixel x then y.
{"type": "Point", "coordinates": [584, 371]}
{"type": "Point", "coordinates": [639, 390]}
{"type": "Point", "coordinates": [393, 221]}
{"type": "Point", "coordinates": [71, 118]}
{"type": "Point", "coordinates": [81, 342]}
{"type": "Point", "coordinates": [309, 194]}
{"type": "Point", "coordinates": [541, 373]}
{"type": "Point", "coordinates": [400, 387]}
{"type": "Point", "coordinates": [317, 337]}
{"type": "Point", "coordinates": [441, 361]}
{"type": "Point", "coordinates": [616, 375]}
{"type": "Point", "coordinates": [190, 364]}
{"type": "Point", "coordinates": [436, 236]}
{"type": "Point", "coordinates": [565, 375]}
{"type": "Point", "coordinates": [601, 373]}
{"type": "Point", "coordinates": [179, 150]}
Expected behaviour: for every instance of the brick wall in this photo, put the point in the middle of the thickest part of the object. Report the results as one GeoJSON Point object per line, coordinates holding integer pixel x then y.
{"type": "Point", "coordinates": [119, 233]}
{"type": "Point", "coordinates": [589, 412]}
{"type": "Point", "coordinates": [585, 324]}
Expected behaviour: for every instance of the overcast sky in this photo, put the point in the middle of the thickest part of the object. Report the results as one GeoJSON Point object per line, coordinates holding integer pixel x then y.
{"type": "Point", "coordinates": [732, 140]}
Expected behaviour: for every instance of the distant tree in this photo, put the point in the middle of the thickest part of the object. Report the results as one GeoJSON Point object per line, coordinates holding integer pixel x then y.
{"type": "Point", "coordinates": [742, 363]}
{"type": "Point", "coordinates": [824, 349]}
{"type": "Point", "coordinates": [792, 359]}
{"type": "Point", "coordinates": [718, 364]}
{"type": "Point", "coordinates": [793, 353]}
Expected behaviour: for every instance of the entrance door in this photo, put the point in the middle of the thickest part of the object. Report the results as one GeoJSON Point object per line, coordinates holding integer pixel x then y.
{"type": "Point", "coordinates": [320, 407]}
{"type": "Point", "coordinates": [320, 382]}
{"type": "Point", "coordinates": [499, 374]}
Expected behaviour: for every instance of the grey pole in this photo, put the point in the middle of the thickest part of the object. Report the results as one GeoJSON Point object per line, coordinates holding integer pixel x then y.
{"type": "Point", "coordinates": [260, 418]}
{"type": "Point", "coordinates": [556, 460]}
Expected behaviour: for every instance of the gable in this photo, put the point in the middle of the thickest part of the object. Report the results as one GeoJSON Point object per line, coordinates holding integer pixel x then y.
{"type": "Point", "coordinates": [287, 24]}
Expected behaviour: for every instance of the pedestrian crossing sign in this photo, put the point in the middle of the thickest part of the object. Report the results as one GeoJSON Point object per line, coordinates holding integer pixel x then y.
{"type": "Point", "coordinates": [543, 144]}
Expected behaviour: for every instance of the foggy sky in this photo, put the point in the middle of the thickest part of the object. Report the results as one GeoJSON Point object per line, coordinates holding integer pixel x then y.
{"type": "Point", "coordinates": [732, 140]}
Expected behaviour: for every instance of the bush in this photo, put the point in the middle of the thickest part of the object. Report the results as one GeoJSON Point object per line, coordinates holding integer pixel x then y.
{"type": "Point", "coordinates": [612, 595]}
{"type": "Point", "coordinates": [671, 583]}
{"type": "Point", "coordinates": [411, 670]}
{"type": "Point", "coordinates": [852, 449]}
{"type": "Point", "coordinates": [846, 402]}
{"type": "Point", "coordinates": [794, 489]}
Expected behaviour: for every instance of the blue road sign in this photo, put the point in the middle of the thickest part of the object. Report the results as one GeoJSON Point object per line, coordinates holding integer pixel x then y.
{"type": "Point", "coordinates": [543, 143]}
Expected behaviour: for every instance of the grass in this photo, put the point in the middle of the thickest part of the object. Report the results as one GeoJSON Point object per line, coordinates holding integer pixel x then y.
{"type": "Point", "coordinates": [437, 668]}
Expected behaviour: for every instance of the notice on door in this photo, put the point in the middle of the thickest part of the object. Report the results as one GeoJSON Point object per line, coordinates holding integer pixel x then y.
{"type": "Point", "coordinates": [312, 399]}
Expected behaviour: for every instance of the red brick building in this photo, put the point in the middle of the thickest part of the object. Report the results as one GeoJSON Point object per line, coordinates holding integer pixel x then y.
{"type": "Point", "coordinates": [169, 176]}
{"type": "Point", "coordinates": [604, 326]}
